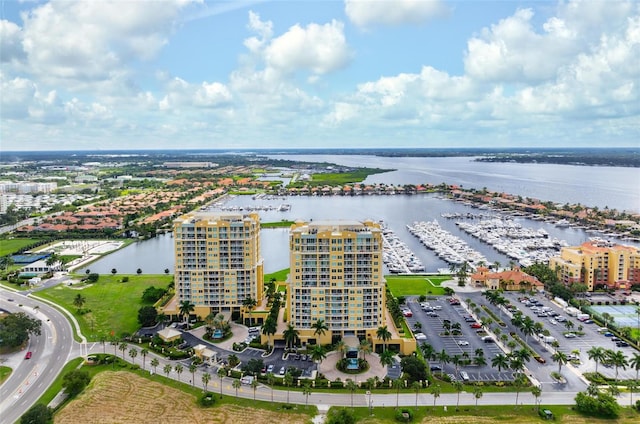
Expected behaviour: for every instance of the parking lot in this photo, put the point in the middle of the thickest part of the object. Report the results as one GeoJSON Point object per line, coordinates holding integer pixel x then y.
{"type": "Point", "coordinates": [466, 343]}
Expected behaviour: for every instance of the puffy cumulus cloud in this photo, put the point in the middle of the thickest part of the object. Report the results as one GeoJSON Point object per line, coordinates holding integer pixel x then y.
{"type": "Point", "coordinates": [80, 40]}
{"type": "Point", "coordinates": [366, 13]}
{"type": "Point", "coordinates": [512, 50]}
{"type": "Point", "coordinates": [319, 49]}
{"type": "Point", "coordinates": [181, 94]}
{"type": "Point", "coordinates": [11, 50]}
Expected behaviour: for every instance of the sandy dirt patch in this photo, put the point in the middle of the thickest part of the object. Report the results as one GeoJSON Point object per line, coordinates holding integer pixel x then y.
{"type": "Point", "coordinates": [123, 397]}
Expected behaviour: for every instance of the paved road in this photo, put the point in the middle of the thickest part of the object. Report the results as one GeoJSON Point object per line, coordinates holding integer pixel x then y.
{"type": "Point", "coordinates": [51, 351]}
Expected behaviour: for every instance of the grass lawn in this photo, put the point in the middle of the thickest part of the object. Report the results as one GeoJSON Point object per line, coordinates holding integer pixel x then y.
{"type": "Point", "coordinates": [9, 246]}
{"type": "Point", "coordinates": [277, 224]}
{"type": "Point", "coordinates": [113, 305]}
{"type": "Point", "coordinates": [469, 414]}
{"type": "Point", "coordinates": [280, 276]}
{"type": "Point", "coordinates": [408, 285]}
{"type": "Point", "coordinates": [5, 372]}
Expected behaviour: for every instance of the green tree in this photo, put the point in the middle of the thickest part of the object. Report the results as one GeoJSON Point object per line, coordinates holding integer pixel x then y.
{"type": "Point", "coordinates": [154, 364]}
{"type": "Point", "coordinates": [222, 373]}
{"type": "Point", "coordinates": [598, 354]}
{"type": "Point", "coordinates": [500, 361]}
{"type": "Point", "coordinates": [269, 328]}
{"type": "Point", "coordinates": [185, 309]}
{"type": "Point", "coordinates": [318, 353]}
{"type": "Point", "coordinates": [79, 301]}
{"type": "Point", "coordinates": [147, 316]}
{"type": "Point", "coordinates": [123, 348]}
{"type": "Point", "coordinates": [37, 414]}
{"type": "Point", "coordinates": [206, 377]}
{"type": "Point", "coordinates": [618, 360]}
{"type": "Point", "coordinates": [271, 381]}
{"type": "Point", "coordinates": [306, 391]}
{"type": "Point", "coordinates": [351, 386]}
{"type": "Point", "coordinates": [435, 392]}
{"type": "Point", "coordinates": [290, 335]}
{"type": "Point", "coordinates": [366, 348]}
{"type": "Point", "coordinates": [477, 394]}
{"type": "Point", "coordinates": [536, 391]}
{"type": "Point", "coordinates": [416, 386]}
{"type": "Point", "coordinates": [167, 369]}
{"type": "Point", "coordinates": [133, 352]}
{"type": "Point", "coordinates": [398, 384]}
{"type": "Point", "coordinates": [414, 368]}
{"type": "Point", "coordinates": [236, 385]}
{"type": "Point", "coordinates": [144, 352]}
{"type": "Point", "coordinates": [383, 334]}
{"type": "Point", "coordinates": [192, 369]}
{"type": "Point", "coordinates": [288, 381]}
{"type": "Point", "coordinates": [254, 386]}
{"type": "Point", "coordinates": [340, 416]}
{"type": "Point", "coordinates": [16, 328]}
{"type": "Point", "coordinates": [75, 381]}
{"type": "Point", "coordinates": [457, 385]}
{"type": "Point", "coordinates": [386, 358]}
{"type": "Point", "coordinates": [249, 304]}
{"type": "Point", "coordinates": [178, 369]}
{"type": "Point", "coordinates": [560, 358]}
{"type": "Point", "coordinates": [319, 327]}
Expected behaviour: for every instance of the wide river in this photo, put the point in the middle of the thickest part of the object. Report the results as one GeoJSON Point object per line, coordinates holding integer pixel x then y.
{"type": "Point", "coordinates": [613, 187]}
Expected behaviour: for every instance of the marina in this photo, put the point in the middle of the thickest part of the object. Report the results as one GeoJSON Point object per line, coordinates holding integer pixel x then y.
{"type": "Point", "coordinates": [397, 256]}
{"type": "Point", "coordinates": [524, 245]}
{"type": "Point", "coordinates": [448, 247]}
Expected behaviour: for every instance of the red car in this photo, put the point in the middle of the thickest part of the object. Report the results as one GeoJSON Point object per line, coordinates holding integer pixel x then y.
{"type": "Point", "coordinates": [27, 356]}
{"type": "Point", "coordinates": [476, 325]}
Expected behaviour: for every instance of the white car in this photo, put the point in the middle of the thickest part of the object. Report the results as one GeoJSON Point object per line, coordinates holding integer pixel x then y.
{"type": "Point", "coordinates": [420, 336]}
{"type": "Point", "coordinates": [463, 343]}
{"type": "Point", "coordinates": [553, 321]}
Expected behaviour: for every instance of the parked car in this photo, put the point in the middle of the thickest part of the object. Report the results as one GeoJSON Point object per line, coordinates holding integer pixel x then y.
{"type": "Point", "coordinates": [270, 368]}
{"type": "Point", "coordinates": [283, 370]}
{"type": "Point", "coordinates": [476, 325]}
{"type": "Point", "coordinates": [608, 334]}
{"type": "Point", "coordinates": [420, 336]}
{"type": "Point", "coordinates": [407, 313]}
{"type": "Point", "coordinates": [540, 359]}
{"type": "Point", "coordinates": [28, 355]}
{"type": "Point", "coordinates": [463, 343]}
{"type": "Point", "coordinates": [435, 368]}
{"type": "Point", "coordinates": [622, 343]}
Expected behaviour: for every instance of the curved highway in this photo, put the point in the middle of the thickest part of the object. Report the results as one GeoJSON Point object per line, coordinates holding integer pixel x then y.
{"type": "Point", "coordinates": [50, 352]}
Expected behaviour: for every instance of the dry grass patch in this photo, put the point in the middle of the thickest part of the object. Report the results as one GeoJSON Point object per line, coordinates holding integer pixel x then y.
{"type": "Point", "coordinates": [123, 397]}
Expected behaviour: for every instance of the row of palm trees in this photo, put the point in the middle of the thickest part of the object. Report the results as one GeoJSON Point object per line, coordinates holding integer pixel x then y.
{"type": "Point", "coordinates": [615, 358]}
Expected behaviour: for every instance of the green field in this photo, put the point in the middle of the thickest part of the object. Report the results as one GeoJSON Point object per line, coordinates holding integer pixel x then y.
{"type": "Point", "coordinates": [415, 285]}
{"type": "Point", "coordinates": [9, 246]}
{"type": "Point", "coordinates": [5, 372]}
{"type": "Point", "coordinates": [113, 305]}
{"type": "Point", "coordinates": [276, 224]}
{"type": "Point", "coordinates": [337, 179]}
{"type": "Point", "coordinates": [280, 276]}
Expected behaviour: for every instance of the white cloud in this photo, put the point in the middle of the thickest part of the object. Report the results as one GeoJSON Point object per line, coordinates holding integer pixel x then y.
{"type": "Point", "coordinates": [93, 41]}
{"type": "Point", "coordinates": [366, 13]}
{"type": "Point", "coordinates": [10, 42]}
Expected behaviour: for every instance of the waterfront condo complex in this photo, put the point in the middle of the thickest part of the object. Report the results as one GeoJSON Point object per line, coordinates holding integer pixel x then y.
{"type": "Point", "coordinates": [336, 275]}
{"type": "Point", "coordinates": [598, 263]}
{"type": "Point", "coordinates": [217, 261]}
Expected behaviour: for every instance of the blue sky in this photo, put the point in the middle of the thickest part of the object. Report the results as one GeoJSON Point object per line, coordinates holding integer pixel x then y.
{"type": "Point", "coordinates": [274, 74]}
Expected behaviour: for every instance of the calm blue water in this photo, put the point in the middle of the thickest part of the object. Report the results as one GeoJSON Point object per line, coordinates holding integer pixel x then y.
{"type": "Point", "coordinates": [154, 255]}
{"type": "Point", "coordinates": [614, 187]}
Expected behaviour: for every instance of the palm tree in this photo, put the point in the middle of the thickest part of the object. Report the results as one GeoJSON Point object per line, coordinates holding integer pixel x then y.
{"type": "Point", "coordinates": [341, 347]}
{"type": "Point", "coordinates": [458, 386]}
{"type": "Point", "coordinates": [568, 325]}
{"type": "Point", "coordinates": [122, 348]}
{"type": "Point", "coordinates": [528, 328]}
{"type": "Point", "coordinates": [271, 381]}
{"type": "Point", "coordinates": [366, 348]}
{"type": "Point", "coordinates": [416, 386]}
{"type": "Point", "coordinates": [479, 361]}
{"type": "Point", "coordinates": [79, 301]}
{"type": "Point", "coordinates": [206, 377]}
{"type": "Point", "coordinates": [435, 392]}
{"type": "Point", "coordinates": [254, 386]}
{"type": "Point", "coordinates": [500, 361]}
{"type": "Point", "coordinates": [144, 352]}
{"type": "Point", "coordinates": [632, 385]}
{"type": "Point", "coordinates": [634, 363]}
{"type": "Point", "coordinates": [222, 373]}
{"type": "Point", "coordinates": [351, 386]}
{"type": "Point", "coordinates": [186, 307]}
{"type": "Point", "coordinates": [318, 353]}
{"type": "Point", "coordinates": [162, 318]}
{"type": "Point", "coordinates": [290, 336]}
{"type": "Point", "coordinates": [477, 394]}
{"type": "Point", "coordinates": [598, 354]}
{"type": "Point", "coordinates": [386, 358]}
{"type": "Point", "coordinates": [306, 391]}
{"type": "Point", "coordinates": [444, 358]}
{"type": "Point", "coordinates": [383, 334]}
{"type": "Point", "coordinates": [536, 391]}
{"type": "Point", "coordinates": [523, 354]}
{"type": "Point", "coordinates": [236, 385]}
{"type": "Point", "coordinates": [398, 383]}
{"type": "Point", "coordinates": [319, 327]}
{"type": "Point", "coordinates": [114, 271]}
{"type": "Point", "coordinates": [167, 369]}
{"type": "Point", "coordinates": [618, 360]}
{"type": "Point", "coordinates": [519, 381]}
{"type": "Point", "coordinates": [249, 303]}
{"type": "Point", "coordinates": [427, 351]}
{"type": "Point", "coordinates": [560, 358]}
{"type": "Point", "coordinates": [288, 381]}
{"type": "Point", "coordinates": [269, 328]}
{"type": "Point", "coordinates": [133, 352]}
{"type": "Point", "coordinates": [154, 364]}
{"type": "Point", "coordinates": [192, 369]}
{"type": "Point", "coordinates": [179, 368]}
